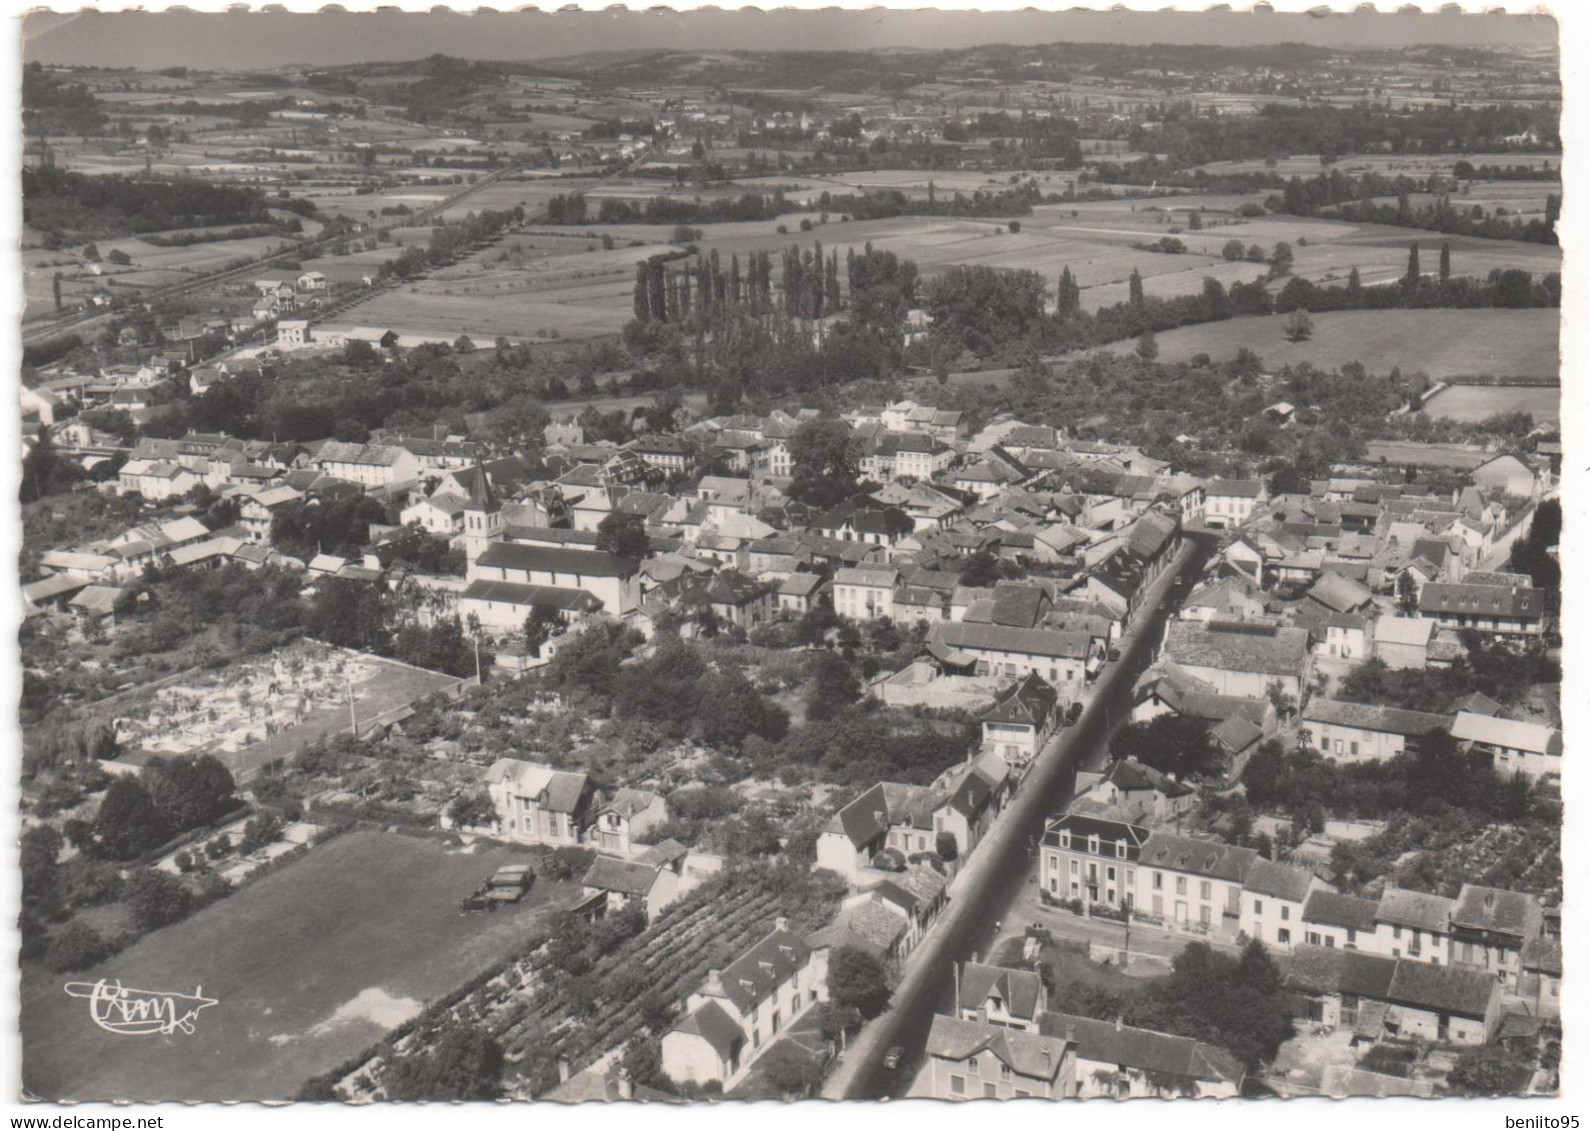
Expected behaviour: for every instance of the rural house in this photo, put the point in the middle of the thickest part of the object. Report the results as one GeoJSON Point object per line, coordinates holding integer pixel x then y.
{"type": "Point", "coordinates": [741, 1008]}
{"type": "Point", "coordinates": [539, 805]}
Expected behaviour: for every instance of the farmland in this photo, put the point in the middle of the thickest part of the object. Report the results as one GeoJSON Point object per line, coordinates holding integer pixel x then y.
{"type": "Point", "coordinates": [558, 278]}
{"type": "Point", "coordinates": [1470, 404]}
{"type": "Point", "coordinates": [1440, 343]}
{"type": "Point", "coordinates": [309, 965]}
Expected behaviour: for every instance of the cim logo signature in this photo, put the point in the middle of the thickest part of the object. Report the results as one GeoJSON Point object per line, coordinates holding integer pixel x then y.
{"type": "Point", "coordinates": [121, 1009]}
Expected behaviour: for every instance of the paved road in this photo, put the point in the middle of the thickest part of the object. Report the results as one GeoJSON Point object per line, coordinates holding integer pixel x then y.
{"type": "Point", "coordinates": [999, 868]}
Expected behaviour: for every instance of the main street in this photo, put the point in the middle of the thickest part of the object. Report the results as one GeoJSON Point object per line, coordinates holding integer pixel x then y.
{"type": "Point", "coordinates": [994, 877]}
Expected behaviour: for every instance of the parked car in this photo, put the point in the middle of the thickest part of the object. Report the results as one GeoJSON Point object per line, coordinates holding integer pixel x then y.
{"type": "Point", "coordinates": [509, 883]}
{"type": "Point", "coordinates": [1073, 713]}
{"type": "Point", "coordinates": [891, 1059]}
{"type": "Point", "coordinates": [1115, 654]}
{"type": "Point", "coordinates": [477, 901]}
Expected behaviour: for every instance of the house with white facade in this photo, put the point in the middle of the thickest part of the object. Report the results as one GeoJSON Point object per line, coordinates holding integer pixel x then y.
{"type": "Point", "coordinates": [537, 804]}
{"type": "Point", "coordinates": [740, 1009]}
{"type": "Point", "coordinates": [1366, 732]}
{"type": "Point", "coordinates": [1532, 749]}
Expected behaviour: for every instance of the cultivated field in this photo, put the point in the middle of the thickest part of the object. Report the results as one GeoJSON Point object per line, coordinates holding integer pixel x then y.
{"type": "Point", "coordinates": [1441, 343]}
{"type": "Point", "coordinates": [1389, 164]}
{"type": "Point", "coordinates": [1458, 457]}
{"type": "Point", "coordinates": [1470, 404]}
{"type": "Point", "coordinates": [310, 965]}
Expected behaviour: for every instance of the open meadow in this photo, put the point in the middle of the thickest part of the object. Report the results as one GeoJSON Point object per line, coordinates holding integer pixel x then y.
{"type": "Point", "coordinates": [1441, 343]}
{"type": "Point", "coordinates": [1470, 404]}
{"type": "Point", "coordinates": [309, 965]}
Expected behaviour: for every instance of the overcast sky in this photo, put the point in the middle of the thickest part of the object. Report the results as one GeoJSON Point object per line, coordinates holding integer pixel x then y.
{"type": "Point", "coordinates": [229, 41]}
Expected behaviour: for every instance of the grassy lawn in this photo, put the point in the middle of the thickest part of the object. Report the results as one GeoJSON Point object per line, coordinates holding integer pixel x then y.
{"type": "Point", "coordinates": [310, 965]}
{"type": "Point", "coordinates": [1442, 343]}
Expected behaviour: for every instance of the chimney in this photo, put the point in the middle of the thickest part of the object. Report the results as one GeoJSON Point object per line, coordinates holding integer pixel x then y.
{"type": "Point", "coordinates": [563, 1070]}
{"type": "Point", "coordinates": [982, 1015]}
{"type": "Point", "coordinates": [1118, 1024]}
{"type": "Point", "coordinates": [1071, 1032]}
{"type": "Point", "coordinates": [626, 1087]}
{"type": "Point", "coordinates": [781, 924]}
{"type": "Point", "coordinates": [713, 986]}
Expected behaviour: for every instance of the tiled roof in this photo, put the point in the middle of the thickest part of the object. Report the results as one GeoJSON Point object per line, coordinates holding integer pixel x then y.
{"type": "Point", "coordinates": [1419, 910]}
{"type": "Point", "coordinates": [1509, 734]}
{"type": "Point", "coordinates": [562, 789]}
{"type": "Point", "coordinates": [1339, 593]}
{"type": "Point", "coordinates": [1281, 881]}
{"type": "Point", "coordinates": [1498, 911]}
{"type": "Point", "coordinates": [627, 802]}
{"type": "Point", "coordinates": [549, 559]}
{"type": "Point", "coordinates": [1338, 970]}
{"type": "Point", "coordinates": [1031, 1055]}
{"type": "Point", "coordinates": [1482, 600]}
{"type": "Point", "coordinates": [1026, 641]}
{"type": "Point", "coordinates": [867, 925]}
{"type": "Point", "coordinates": [608, 873]}
{"type": "Point", "coordinates": [1027, 703]}
{"type": "Point", "coordinates": [1543, 954]}
{"type": "Point", "coordinates": [1447, 989]}
{"type": "Point", "coordinates": [884, 805]}
{"type": "Point", "coordinates": [1337, 910]}
{"type": "Point", "coordinates": [379, 455]}
{"type": "Point", "coordinates": [882, 578]}
{"type": "Point", "coordinates": [756, 973]}
{"type": "Point", "coordinates": [1109, 1042]}
{"type": "Point", "coordinates": [1242, 648]}
{"type": "Point", "coordinates": [1371, 717]}
{"type": "Point", "coordinates": [1414, 631]}
{"type": "Point", "coordinates": [1198, 857]}
{"type": "Point", "coordinates": [530, 596]}
{"type": "Point", "coordinates": [1019, 990]}
{"type": "Point", "coordinates": [713, 1024]}
{"type": "Point", "coordinates": [1235, 488]}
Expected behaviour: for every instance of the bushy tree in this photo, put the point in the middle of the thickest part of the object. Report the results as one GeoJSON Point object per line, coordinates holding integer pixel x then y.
{"type": "Point", "coordinates": [825, 462]}
{"type": "Point", "coordinates": [189, 790]}
{"type": "Point", "coordinates": [1175, 744]}
{"type": "Point", "coordinates": [1488, 1071]}
{"type": "Point", "coordinates": [472, 809]}
{"type": "Point", "coordinates": [156, 899]}
{"type": "Point", "coordinates": [41, 847]}
{"type": "Point", "coordinates": [128, 824]}
{"type": "Point", "coordinates": [624, 535]}
{"type": "Point", "coordinates": [791, 1069]}
{"type": "Point", "coordinates": [77, 946]}
{"type": "Point", "coordinates": [465, 1064]}
{"type": "Point", "coordinates": [832, 685]}
{"type": "Point", "coordinates": [1299, 326]}
{"type": "Point", "coordinates": [856, 980]}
